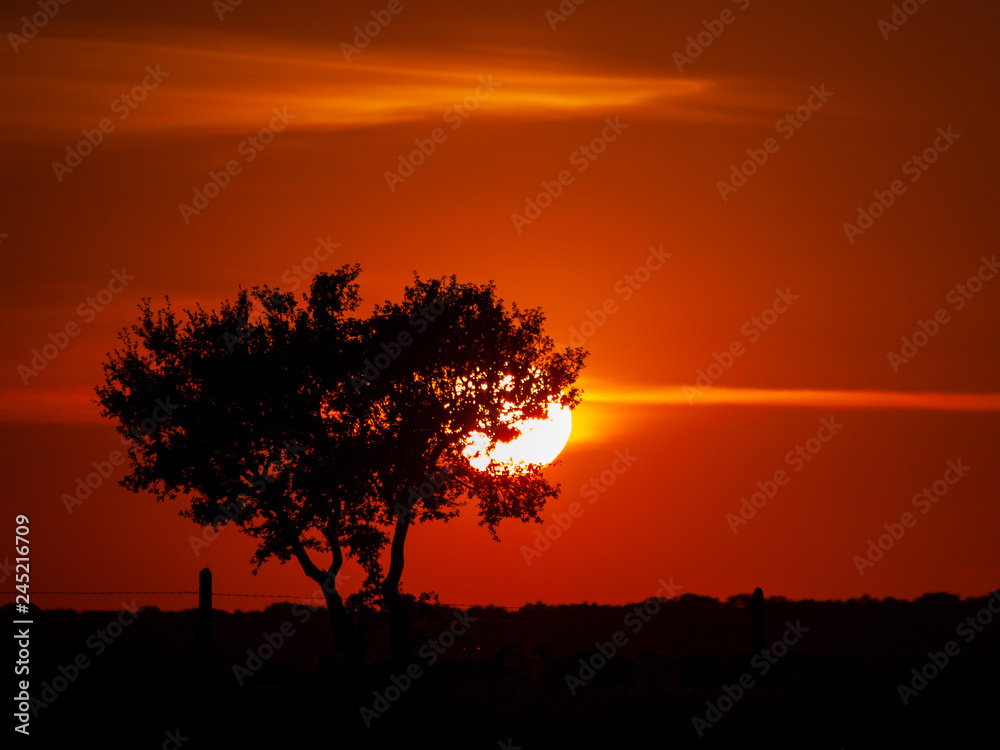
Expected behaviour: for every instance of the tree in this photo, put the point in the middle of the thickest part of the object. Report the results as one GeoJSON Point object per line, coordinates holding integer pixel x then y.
{"type": "Point", "coordinates": [446, 362]}
{"type": "Point", "coordinates": [247, 438]}
{"type": "Point", "coordinates": [308, 428]}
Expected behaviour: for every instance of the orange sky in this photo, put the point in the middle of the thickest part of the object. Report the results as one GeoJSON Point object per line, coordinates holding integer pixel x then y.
{"type": "Point", "coordinates": [724, 322]}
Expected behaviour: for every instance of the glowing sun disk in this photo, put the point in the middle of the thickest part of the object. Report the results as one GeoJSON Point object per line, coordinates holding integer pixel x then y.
{"type": "Point", "coordinates": [540, 441]}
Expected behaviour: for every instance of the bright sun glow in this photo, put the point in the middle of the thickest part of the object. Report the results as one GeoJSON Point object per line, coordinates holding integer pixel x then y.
{"type": "Point", "coordinates": [541, 440]}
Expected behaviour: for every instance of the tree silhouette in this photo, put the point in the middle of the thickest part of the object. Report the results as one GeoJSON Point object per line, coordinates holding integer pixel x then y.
{"type": "Point", "coordinates": [470, 366]}
{"type": "Point", "coordinates": [246, 439]}
{"type": "Point", "coordinates": [318, 433]}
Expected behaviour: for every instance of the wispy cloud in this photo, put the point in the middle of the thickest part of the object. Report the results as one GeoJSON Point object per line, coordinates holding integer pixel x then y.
{"type": "Point", "coordinates": [227, 85]}
{"type": "Point", "coordinates": [801, 397]}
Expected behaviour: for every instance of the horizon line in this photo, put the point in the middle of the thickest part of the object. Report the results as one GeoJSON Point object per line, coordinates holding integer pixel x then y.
{"type": "Point", "coordinates": [292, 600]}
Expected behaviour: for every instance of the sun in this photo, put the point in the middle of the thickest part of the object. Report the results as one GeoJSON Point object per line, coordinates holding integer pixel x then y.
{"type": "Point", "coordinates": [540, 441]}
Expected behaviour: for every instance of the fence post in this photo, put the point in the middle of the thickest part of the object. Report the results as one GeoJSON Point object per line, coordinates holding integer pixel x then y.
{"type": "Point", "coordinates": [205, 622]}
{"type": "Point", "coordinates": [757, 619]}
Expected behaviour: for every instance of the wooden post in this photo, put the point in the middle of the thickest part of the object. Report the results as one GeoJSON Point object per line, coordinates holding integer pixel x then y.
{"type": "Point", "coordinates": [757, 619]}
{"type": "Point", "coordinates": [205, 622]}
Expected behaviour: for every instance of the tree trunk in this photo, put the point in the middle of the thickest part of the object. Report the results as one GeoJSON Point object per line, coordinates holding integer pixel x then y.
{"type": "Point", "coordinates": [399, 627]}
{"type": "Point", "coordinates": [344, 633]}
{"type": "Point", "coordinates": [399, 621]}
{"type": "Point", "coordinates": [396, 606]}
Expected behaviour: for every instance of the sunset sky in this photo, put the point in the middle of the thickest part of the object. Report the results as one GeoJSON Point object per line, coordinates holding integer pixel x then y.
{"type": "Point", "coordinates": [741, 234]}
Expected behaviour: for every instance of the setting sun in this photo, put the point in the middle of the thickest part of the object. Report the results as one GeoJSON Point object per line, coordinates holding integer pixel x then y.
{"type": "Point", "coordinates": [540, 441]}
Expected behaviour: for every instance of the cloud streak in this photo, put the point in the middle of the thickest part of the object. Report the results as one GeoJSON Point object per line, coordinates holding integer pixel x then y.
{"type": "Point", "coordinates": [226, 86]}
{"type": "Point", "coordinates": [801, 397]}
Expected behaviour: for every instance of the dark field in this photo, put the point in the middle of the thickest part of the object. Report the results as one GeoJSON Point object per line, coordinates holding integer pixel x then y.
{"type": "Point", "coordinates": [502, 681]}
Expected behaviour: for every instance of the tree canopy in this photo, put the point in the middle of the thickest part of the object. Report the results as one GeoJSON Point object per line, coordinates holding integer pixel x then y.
{"type": "Point", "coordinates": [321, 434]}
